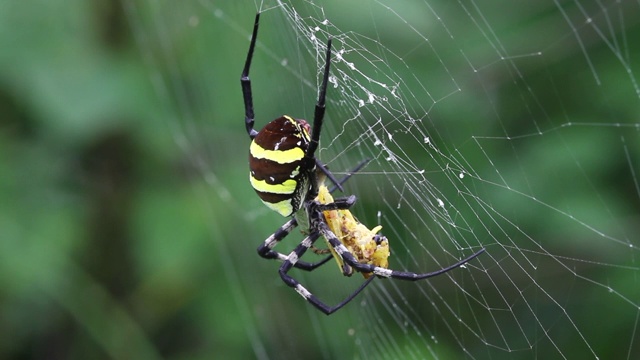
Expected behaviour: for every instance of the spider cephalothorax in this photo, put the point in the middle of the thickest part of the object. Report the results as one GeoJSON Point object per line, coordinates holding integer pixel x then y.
{"type": "Point", "coordinates": [284, 172]}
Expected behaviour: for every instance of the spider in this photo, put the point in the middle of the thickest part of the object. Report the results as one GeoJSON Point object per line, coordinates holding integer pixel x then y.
{"type": "Point", "coordinates": [285, 174]}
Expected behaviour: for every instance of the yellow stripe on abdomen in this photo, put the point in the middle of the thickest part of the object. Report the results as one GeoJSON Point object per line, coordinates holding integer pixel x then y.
{"type": "Point", "coordinates": [284, 208]}
{"type": "Point", "coordinates": [287, 187]}
{"type": "Point", "coordinates": [279, 156]}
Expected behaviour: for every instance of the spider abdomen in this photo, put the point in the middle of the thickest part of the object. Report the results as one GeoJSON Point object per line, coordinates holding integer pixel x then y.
{"type": "Point", "coordinates": [279, 172]}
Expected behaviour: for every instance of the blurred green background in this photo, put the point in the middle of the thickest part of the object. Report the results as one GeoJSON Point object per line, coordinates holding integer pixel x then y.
{"type": "Point", "coordinates": [128, 228]}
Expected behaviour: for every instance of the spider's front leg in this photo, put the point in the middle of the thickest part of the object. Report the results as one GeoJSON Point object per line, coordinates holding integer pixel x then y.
{"type": "Point", "coordinates": [350, 259]}
{"type": "Point", "coordinates": [245, 82]}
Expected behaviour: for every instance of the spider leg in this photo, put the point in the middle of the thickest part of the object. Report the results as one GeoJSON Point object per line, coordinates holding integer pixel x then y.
{"type": "Point", "coordinates": [358, 167]}
{"type": "Point", "coordinates": [338, 183]}
{"type": "Point", "coordinates": [293, 283]}
{"type": "Point", "coordinates": [342, 203]}
{"type": "Point", "coordinates": [246, 83]}
{"type": "Point", "coordinates": [380, 271]}
{"type": "Point", "coordinates": [320, 107]}
{"type": "Point", "coordinates": [306, 266]}
{"type": "Point", "coordinates": [265, 250]}
{"type": "Point", "coordinates": [328, 174]}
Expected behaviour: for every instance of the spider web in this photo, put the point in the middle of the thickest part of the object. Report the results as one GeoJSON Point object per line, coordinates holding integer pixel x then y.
{"type": "Point", "coordinates": [515, 133]}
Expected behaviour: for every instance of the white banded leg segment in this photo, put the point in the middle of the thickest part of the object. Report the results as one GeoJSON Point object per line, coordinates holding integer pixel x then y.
{"type": "Point", "coordinates": [280, 234]}
{"type": "Point", "coordinates": [303, 291]}
{"type": "Point", "coordinates": [306, 242]}
{"type": "Point", "coordinates": [340, 249]}
{"type": "Point", "coordinates": [382, 272]}
{"type": "Point", "coordinates": [295, 255]}
{"type": "Point", "coordinates": [265, 250]}
{"type": "Point", "coordinates": [293, 258]}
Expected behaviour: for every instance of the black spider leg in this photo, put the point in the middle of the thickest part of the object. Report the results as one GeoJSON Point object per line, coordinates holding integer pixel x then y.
{"type": "Point", "coordinates": [320, 107]}
{"type": "Point", "coordinates": [353, 171]}
{"type": "Point", "coordinates": [316, 217]}
{"type": "Point", "coordinates": [300, 289]}
{"type": "Point", "coordinates": [315, 210]}
{"type": "Point", "coordinates": [246, 83]}
{"type": "Point", "coordinates": [356, 169]}
{"type": "Point", "coordinates": [380, 271]}
{"type": "Point", "coordinates": [266, 249]}
{"type": "Point", "coordinates": [318, 117]}
{"type": "Point", "coordinates": [328, 174]}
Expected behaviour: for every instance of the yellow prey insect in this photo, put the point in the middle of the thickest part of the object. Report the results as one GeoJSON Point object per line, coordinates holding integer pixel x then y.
{"type": "Point", "coordinates": [366, 245]}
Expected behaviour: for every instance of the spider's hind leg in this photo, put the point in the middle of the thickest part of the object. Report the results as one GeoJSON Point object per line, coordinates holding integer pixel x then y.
{"type": "Point", "coordinates": [265, 250]}
{"type": "Point", "coordinates": [300, 289]}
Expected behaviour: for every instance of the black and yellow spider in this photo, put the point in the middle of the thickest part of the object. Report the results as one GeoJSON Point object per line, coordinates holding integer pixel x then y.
{"type": "Point", "coordinates": [285, 175]}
